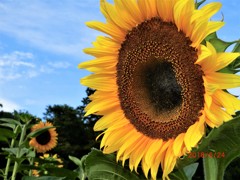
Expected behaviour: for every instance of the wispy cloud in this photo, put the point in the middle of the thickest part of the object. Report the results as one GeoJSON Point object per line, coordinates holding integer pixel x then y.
{"type": "Point", "coordinates": [16, 64]}
{"type": "Point", "coordinates": [16, 58]}
{"type": "Point", "coordinates": [8, 105]}
{"type": "Point", "coordinates": [61, 65]}
{"type": "Point", "coordinates": [57, 27]}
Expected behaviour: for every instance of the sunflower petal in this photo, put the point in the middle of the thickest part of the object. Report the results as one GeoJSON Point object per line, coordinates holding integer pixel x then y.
{"type": "Point", "coordinates": [223, 81]}
{"type": "Point", "coordinates": [177, 145]}
{"type": "Point", "coordinates": [227, 101]}
{"type": "Point", "coordinates": [109, 29]}
{"type": "Point", "coordinates": [165, 9]}
{"type": "Point", "coordinates": [224, 59]}
{"type": "Point", "coordinates": [103, 82]}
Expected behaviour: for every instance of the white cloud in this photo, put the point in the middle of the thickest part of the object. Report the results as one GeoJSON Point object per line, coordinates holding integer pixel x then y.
{"type": "Point", "coordinates": [61, 64]}
{"type": "Point", "coordinates": [8, 105]}
{"type": "Point", "coordinates": [16, 58]}
{"type": "Point", "coordinates": [15, 65]}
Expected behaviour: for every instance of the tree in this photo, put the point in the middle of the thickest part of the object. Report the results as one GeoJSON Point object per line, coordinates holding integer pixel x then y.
{"type": "Point", "coordinates": [75, 132]}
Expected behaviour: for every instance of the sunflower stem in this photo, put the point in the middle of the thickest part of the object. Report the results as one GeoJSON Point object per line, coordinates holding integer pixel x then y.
{"type": "Point", "coordinates": [16, 164]}
{"type": "Point", "coordinates": [9, 160]}
{"type": "Point", "coordinates": [31, 160]}
{"type": "Point", "coordinates": [210, 167]}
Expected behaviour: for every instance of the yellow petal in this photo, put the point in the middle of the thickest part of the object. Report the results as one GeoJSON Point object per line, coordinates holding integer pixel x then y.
{"type": "Point", "coordinates": [159, 157]}
{"type": "Point", "coordinates": [100, 52]}
{"type": "Point", "coordinates": [155, 146]}
{"type": "Point", "coordinates": [183, 10]}
{"type": "Point", "coordinates": [165, 9]}
{"type": "Point", "coordinates": [169, 162]}
{"type": "Point", "coordinates": [177, 145]}
{"type": "Point", "coordinates": [106, 61]}
{"type": "Point", "coordinates": [114, 15]}
{"type": "Point", "coordinates": [224, 59]}
{"type": "Point", "coordinates": [132, 7]}
{"type": "Point", "coordinates": [227, 101]}
{"type": "Point", "coordinates": [110, 119]}
{"type": "Point", "coordinates": [203, 53]}
{"type": "Point", "coordinates": [208, 100]}
{"type": "Point", "coordinates": [109, 29]}
{"type": "Point", "coordinates": [132, 137]}
{"type": "Point", "coordinates": [212, 119]}
{"type": "Point", "coordinates": [104, 82]}
{"type": "Point", "coordinates": [220, 113]}
{"type": "Point", "coordinates": [193, 135]}
{"type": "Point", "coordinates": [213, 26]}
{"type": "Point", "coordinates": [223, 81]}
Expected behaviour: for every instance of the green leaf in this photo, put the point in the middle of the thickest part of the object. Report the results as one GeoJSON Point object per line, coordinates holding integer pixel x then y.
{"type": "Point", "coordinates": [62, 172]}
{"type": "Point", "coordinates": [5, 134]}
{"type": "Point", "coordinates": [10, 121]}
{"type": "Point", "coordinates": [185, 173]}
{"type": "Point", "coordinates": [219, 44]}
{"type": "Point", "coordinates": [190, 170]}
{"type": "Point", "coordinates": [39, 131]}
{"type": "Point", "coordinates": [197, 4]}
{"type": "Point", "coordinates": [81, 166]}
{"type": "Point", "coordinates": [222, 144]}
{"type": "Point", "coordinates": [102, 167]}
{"type": "Point", "coordinates": [11, 150]}
{"type": "Point", "coordinates": [12, 126]}
{"type": "Point", "coordinates": [75, 160]}
{"type": "Point", "coordinates": [237, 47]}
{"type": "Point", "coordinates": [43, 178]}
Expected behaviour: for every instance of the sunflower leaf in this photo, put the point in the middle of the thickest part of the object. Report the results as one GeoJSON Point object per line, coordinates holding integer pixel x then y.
{"type": "Point", "coordinates": [10, 121]}
{"type": "Point", "coordinates": [39, 131]}
{"type": "Point", "coordinates": [11, 150]}
{"type": "Point", "coordinates": [101, 166]}
{"type": "Point", "coordinates": [236, 47]}
{"type": "Point", "coordinates": [219, 44]}
{"type": "Point", "coordinates": [221, 144]}
{"type": "Point", "coordinates": [5, 134]}
{"type": "Point", "coordinates": [198, 4]}
{"type": "Point", "coordinates": [185, 173]}
{"type": "Point", "coordinates": [43, 178]}
{"type": "Point", "coordinates": [81, 166]}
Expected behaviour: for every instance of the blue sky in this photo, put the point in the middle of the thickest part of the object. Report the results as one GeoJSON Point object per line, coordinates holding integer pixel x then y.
{"type": "Point", "coordinates": [41, 44]}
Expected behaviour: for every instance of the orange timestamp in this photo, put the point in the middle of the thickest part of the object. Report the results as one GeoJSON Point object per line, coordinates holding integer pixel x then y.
{"type": "Point", "coordinates": [217, 155]}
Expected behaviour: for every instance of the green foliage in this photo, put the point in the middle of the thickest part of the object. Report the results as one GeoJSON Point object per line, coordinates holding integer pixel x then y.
{"type": "Point", "coordinates": [221, 147]}
{"type": "Point", "coordinates": [98, 165]}
{"type": "Point", "coordinates": [222, 46]}
{"type": "Point", "coordinates": [75, 132]}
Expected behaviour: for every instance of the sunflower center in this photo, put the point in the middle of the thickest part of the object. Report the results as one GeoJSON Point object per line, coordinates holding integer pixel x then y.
{"type": "Point", "coordinates": [44, 138]}
{"type": "Point", "coordinates": [158, 76]}
{"type": "Point", "coordinates": [160, 88]}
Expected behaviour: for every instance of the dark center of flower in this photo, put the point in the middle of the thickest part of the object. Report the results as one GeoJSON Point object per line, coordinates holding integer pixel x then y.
{"type": "Point", "coordinates": [160, 88]}
{"type": "Point", "coordinates": [158, 76]}
{"type": "Point", "coordinates": [44, 138]}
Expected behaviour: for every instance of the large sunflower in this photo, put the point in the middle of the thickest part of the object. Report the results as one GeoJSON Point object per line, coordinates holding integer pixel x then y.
{"type": "Point", "coordinates": [46, 140]}
{"type": "Point", "coordinates": [157, 84]}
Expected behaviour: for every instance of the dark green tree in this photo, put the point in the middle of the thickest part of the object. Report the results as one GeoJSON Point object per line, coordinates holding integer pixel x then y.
{"type": "Point", "coordinates": [75, 132]}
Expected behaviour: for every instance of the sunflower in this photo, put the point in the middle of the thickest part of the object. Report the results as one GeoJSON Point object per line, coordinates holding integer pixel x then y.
{"type": "Point", "coordinates": [157, 81]}
{"type": "Point", "coordinates": [46, 140]}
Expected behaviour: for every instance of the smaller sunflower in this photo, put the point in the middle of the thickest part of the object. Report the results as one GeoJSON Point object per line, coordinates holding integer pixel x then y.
{"type": "Point", "coordinates": [45, 141]}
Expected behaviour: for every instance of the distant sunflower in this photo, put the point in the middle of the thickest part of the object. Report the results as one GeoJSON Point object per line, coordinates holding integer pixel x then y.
{"type": "Point", "coordinates": [50, 161]}
{"type": "Point", "coordinates": [45, 141]}
{"type": "Point", "coordinates": [157, 84]}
